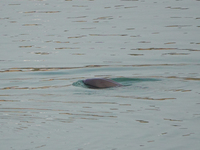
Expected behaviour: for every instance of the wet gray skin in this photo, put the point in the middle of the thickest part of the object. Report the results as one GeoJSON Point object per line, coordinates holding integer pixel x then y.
{"type": "Point", "coordinates": [101, 83]}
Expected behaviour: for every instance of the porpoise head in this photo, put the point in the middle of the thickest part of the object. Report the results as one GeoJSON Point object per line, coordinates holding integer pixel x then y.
{"type": "Point", "coordinates": [101, 83]}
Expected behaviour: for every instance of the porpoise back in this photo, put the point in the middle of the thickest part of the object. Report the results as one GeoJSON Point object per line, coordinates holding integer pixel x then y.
{"type": "Point", "coordinates": [101, 83]}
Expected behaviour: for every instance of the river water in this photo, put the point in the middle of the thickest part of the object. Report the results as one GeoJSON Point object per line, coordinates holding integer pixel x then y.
{"type": "Point", "coordinates": [47, 47]}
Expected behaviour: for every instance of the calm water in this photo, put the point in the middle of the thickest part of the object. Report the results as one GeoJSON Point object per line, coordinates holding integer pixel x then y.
{"type": "Point", "coordinates": [48, 47]}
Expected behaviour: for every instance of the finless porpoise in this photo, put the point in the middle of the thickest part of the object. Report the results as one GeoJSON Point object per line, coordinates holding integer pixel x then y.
{"type": "Point", "coordinates": [101, 83]}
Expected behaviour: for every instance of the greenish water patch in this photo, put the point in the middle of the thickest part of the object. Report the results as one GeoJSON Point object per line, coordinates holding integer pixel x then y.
{"type": "Point", "coordinates": [130, 81]}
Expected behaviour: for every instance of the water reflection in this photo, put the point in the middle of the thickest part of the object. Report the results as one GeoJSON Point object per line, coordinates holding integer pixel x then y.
{"type": "Point", "coordinates": [29, 69]}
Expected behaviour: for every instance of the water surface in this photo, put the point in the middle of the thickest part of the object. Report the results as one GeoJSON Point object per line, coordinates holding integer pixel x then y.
{"type": "Point", "coordinates": [48, 47]}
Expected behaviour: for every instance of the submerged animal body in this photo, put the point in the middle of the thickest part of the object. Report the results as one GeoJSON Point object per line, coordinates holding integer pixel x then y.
{"type": "Point", "coordinates": [101, 83]}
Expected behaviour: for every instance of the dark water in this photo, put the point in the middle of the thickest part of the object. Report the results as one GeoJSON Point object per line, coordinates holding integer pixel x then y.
{"type": "Point", "coordinates": [48, 47]}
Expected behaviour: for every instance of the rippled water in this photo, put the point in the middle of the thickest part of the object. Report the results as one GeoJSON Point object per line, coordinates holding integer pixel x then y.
{"type": "Point", "coordinates": [48, 47]}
